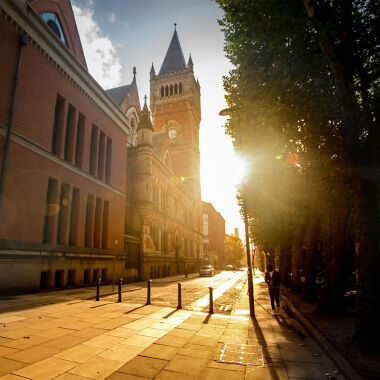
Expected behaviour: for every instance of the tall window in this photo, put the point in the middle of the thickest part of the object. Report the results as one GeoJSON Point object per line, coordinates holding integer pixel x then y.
{"type": "Point", "coordinates": [89, 228]}
{"type": "Point", "coordinates": [162, 91]}
{"type": "Point", "coordinates": [98, 223]}
{"type": "Point", "coordinates": [166, 91]}
{"type": "Point", "coordinates": [63, 218]}
{"type": "Point", "coordinates": [94, 150]}
{"type": "Point", "coordinates": [80, 141]}
{"type": "Point", "coordinates": [102, 153]}
{"type": "Point", "coordinates": [105, 223]}
{"type": "Point", "coordinates": [180, 88]}
{"type": "Point", "coordinates": [171, 89]}
{"type": "Point", "coordinates": [51, 207]}
{"type": "Point", "coordinates": [176, 89]}
{"type": "Point", "coordinates": [74, 217]}
{"type": "Point", "coordinates": [108, 159]}
{"type": "Point", "coordinates": [70, 134]}
{"type": "Point", "coordinates": [58, 126]}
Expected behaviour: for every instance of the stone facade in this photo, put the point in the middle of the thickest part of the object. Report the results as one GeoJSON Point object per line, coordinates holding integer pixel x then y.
{"type": "Point", "coordinates": [164, 207]}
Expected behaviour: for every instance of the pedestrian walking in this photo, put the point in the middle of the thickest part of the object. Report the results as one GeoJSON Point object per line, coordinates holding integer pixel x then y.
{"type": "Point", "coordinates": [272, 278]}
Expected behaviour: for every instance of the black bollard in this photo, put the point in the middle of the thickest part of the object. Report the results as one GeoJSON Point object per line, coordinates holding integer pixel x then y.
{"type": "Point", "coordinates": [120, 285]}
{"type": "Point", "coordinates": [211, 311]}
{"type": "Point", "coordinates": [179, 296]}
{"type": "Point", "coordinates": [98, 289]}
{"type": "Point", "coordinates": [149, 284]}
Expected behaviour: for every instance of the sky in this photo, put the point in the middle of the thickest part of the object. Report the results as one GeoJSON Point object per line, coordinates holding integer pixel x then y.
{"type": "Point", "coordinates": [119, 34]}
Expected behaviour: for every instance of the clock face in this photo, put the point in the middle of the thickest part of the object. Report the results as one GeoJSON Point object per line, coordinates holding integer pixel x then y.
{"type": "Point", "coordinates": [172, 133]}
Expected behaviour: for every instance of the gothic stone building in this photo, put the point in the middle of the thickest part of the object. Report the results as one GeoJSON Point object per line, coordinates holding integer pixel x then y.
{"type": "Point", "coordinates": [164, 206]}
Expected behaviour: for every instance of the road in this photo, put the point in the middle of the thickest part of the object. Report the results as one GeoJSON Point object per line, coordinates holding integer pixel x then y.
{"type": "Point", "coordinates": [226, 286]}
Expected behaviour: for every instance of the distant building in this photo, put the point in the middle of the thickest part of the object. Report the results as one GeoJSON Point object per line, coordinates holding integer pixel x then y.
{"type": "Point", "coordinates": [214, 233]}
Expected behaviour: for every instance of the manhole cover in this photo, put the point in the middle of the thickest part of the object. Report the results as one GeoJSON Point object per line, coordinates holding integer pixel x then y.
{"type": "Point", "coordinates": [244, 354]}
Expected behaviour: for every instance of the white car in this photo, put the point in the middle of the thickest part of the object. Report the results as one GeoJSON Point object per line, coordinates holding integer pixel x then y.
{"type": "Point", "coordinates": [207, 270]}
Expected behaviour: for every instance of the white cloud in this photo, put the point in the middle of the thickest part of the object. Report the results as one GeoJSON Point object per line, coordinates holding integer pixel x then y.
{"type": "Point", "coordinates": [102, 61]}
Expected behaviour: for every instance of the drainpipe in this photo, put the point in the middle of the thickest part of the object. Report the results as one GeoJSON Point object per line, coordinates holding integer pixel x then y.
{"type": "Point", "coordinates": [23, 41]}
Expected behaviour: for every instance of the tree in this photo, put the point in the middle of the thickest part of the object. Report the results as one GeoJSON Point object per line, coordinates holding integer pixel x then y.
{"type": "Point", "coordinates": [306, 84]}
{"type": "Point", "coordinates": [234, 250]}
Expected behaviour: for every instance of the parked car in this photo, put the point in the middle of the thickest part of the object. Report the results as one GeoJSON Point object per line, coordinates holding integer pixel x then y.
{"type": "Point", "coordinates": [231, 267]}
{"type": "Point", "coordinates": [207, 270]}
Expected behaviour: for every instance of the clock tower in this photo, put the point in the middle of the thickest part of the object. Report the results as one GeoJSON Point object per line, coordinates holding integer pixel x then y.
{"type": "Point", "coordinates": [176, 110]}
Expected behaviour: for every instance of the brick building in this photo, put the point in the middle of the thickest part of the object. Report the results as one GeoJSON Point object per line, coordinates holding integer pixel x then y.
{"type": "Point", "coordinates": [214, 233]}
{"type": "Point", "coordinates": [62, 153]}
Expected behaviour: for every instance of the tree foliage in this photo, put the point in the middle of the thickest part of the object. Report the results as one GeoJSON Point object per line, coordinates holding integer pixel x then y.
{"type": "Point", "coordinates": [234, 250]}
{"type": "Point", "coordinates": [304, 104]}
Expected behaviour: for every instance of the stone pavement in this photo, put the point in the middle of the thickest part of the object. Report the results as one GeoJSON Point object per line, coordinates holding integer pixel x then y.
{"type": "Point", "coordinates": [82, 339]}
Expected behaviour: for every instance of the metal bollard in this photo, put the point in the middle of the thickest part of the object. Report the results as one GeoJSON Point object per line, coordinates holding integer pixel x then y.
{"type": "Point", "coordinates": [149, 284]}
{"type": "Point", "coordinates": [211, 311]}
{"type": "Point", "coordinates": [179, 296]}
{"type": "Point", "coordinates": [98, 289]}
{"type": "Point", "coordinates": [120, 285]}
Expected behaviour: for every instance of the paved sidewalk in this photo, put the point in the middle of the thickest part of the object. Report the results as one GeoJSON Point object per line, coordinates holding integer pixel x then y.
{"type": "Point", "coordinates": [82, 339]}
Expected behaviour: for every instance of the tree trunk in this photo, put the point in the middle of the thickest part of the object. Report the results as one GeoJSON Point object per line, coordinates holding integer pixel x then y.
{"type": "Point", "coordinates": [331, 299]}
{"type": "Point", "coordinates": [367, 261]}
{"type": "Point", "coordinates": [285, 261]}
{"type": "Point", "coordinates": [296, 254]}
{"type": "Point", "coordinates": [309, 290]}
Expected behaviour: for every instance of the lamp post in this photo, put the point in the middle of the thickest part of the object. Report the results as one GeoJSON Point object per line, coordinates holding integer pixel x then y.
{"type": "Point", "coordinates": [229, 112]}
{"type": "Point", "coordinates": [249, 270]}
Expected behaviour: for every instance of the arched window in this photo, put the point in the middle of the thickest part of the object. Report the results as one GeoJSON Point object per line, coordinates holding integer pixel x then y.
{"type": "Point", "coordinates": [176, 89]}
{"type": "Point", "coordinates": [171, 89]}
{"type": "Point", "coordinates": [162, 92]}
{"type": "Point", "coordinates": [180, 88]}
{"type": "Point", "coordinates": [166, 91]}
{"type": "Point", "coordinates": [52, 20]}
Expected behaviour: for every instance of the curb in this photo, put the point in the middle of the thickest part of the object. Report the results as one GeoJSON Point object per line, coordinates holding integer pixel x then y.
{"type": "Point", "coordinates": [344, 367]}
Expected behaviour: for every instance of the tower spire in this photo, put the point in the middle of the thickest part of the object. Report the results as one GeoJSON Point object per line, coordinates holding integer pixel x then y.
{"type": "Point", "coordinates": [174, 59]}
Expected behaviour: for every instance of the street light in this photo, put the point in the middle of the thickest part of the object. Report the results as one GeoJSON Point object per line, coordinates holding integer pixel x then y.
{"type": "Point", "coordinates": [229, 112]}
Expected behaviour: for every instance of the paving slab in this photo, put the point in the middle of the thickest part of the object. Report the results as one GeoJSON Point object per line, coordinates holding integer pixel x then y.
{"type": "Point", "coordinates": [105, 341]}
{"type": "Point", "coordinates": [96, 368]}
{"type": "Point", "coordinates": [186, 364]}
{"type": "Point", "coordinates": [79, 353]}
{"type": "Point", "coordinates": [33, 354]}
{"type": "Point", "coordinates": [221, 374]}
{"type": "Point", "coordinates": [124, 376]}
{"type": "Point", "coordinates": [65, 342]}
{"type": "Point", "coordinates": [143, 366]}
{"type": "Point", "coordinates": [4, 351]}
{"type": "Point", "coordinates": [45, 369]}
{"type": "Point", "coordinates": [157, 333]}
{"type": "Point", "coordinates": [8, 365]}
{"type": "Point", "coordinates": [121, 353]}
{"type": "Point", "coordinates": [266, 373]}
{"type": "Point", "coordinates": [160, 351]}
{"type": "Point", "coordinates": [172, 340]}
{"type": "Point", "coordinates": [139, 341]}
{"type": "Point", "coordinates": [169, 375]}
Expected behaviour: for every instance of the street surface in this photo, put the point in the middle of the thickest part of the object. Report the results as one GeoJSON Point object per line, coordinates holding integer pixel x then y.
{"type": "Point", "coordinates": [67, 335]}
